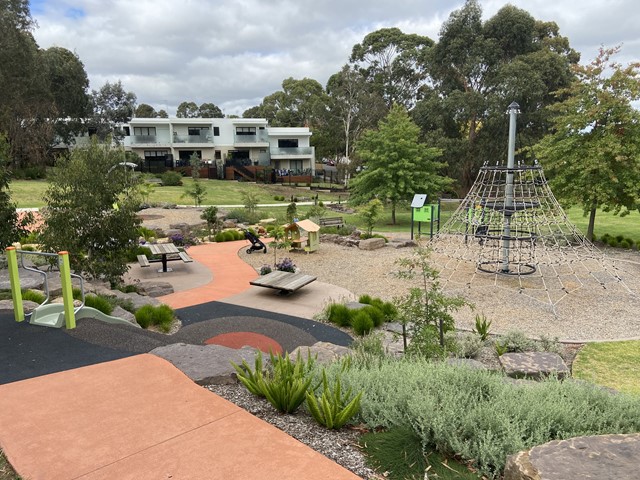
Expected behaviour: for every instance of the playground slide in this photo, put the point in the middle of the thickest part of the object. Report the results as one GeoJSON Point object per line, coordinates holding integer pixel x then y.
{"type": "Point", "coordinates": [52, 315]}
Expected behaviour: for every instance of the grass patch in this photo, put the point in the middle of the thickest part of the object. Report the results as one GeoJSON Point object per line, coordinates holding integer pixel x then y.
{"type": "Point", "coordinates": [6, 470]}
{"type": "Point", "coordinates": [397, 454]}
{"type": "Point", "coordinates": [610, 364]}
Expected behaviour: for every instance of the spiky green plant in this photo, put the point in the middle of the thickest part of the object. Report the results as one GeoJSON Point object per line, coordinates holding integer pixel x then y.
{"type": "Point", "coordinates": [333, 409]}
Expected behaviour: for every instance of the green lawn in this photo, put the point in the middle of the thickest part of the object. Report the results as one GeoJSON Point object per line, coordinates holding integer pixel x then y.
{"type": "Point", "coordinates": [29, 193]}
{"type": "Point", "coordinates": [610, 364]}
{"type": "Point", "coordinates": [606, 222]}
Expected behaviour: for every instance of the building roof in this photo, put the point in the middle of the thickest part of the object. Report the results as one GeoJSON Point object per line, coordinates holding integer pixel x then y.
{"type": "Point", "coordinates": [308, 225]}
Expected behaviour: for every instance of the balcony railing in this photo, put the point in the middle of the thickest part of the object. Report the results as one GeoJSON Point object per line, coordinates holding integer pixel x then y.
{"type": "Point", "coordinates": [256, 138]}
{"type": "Point", "coordinates": [292, 151]}
{"type": "Point", "coordinates": [136, 139]}
{"type": "Point", "coordinates": [192, 139]}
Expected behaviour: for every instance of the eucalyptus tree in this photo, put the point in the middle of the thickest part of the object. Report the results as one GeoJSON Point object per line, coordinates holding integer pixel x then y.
{"type": "Point", "coordinates": [592, 156]}
{"type": "Point", "coordinates": [395, 63]}
{"type": "Point", "coordinates": [477, 69]}
{"type": "Point", "coordinates": [145, 110]}
{"type": "Point", "coordinates": [209, 110]}
{"type": "Point", "coordinates": [187, 110]}
{"type": "Point", "coordinates": [112, 107]}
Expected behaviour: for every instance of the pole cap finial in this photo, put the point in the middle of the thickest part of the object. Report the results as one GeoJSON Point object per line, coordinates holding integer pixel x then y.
{"type": "Point", "coordinates": [513, 108]}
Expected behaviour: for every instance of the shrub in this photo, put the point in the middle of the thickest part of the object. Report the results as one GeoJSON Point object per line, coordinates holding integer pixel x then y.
{"type": "Point", "coordinates": [228, 236]}
{"type": "Point", "coordinates": [184, 240]}
{"type": "Point", "coordinates": [146, 233]}
{"type": "Point", "coordinates": [265, 269]}
{"type": "Point", "coordinates": [286, 265]}
{"type": "Point", "coordinates": [613, 242]}
{"type": "Point", "coordinates": [244, 215]}
{"type": "Point", "coordinates": [626, 244]}
{"type": "Point", "coordinates": [365, 299]}
{"type": "Point", "coordinates": [517, 341]}
{"type": "Point", "coordinates": [161, 315]}
{"type": "Point", "coordinates": [468, 346]}
{"type": "Point", "coordinates": [482, 326]}
{"type": "Point", "coordinates": [251, 378]}
{"type": "Point", "coordinates": [33, 296]}
{"type": "Point", "coordinates": [171, 179]}
{"type": "Point", "coordinates": [365, 236]}
{"type": "Point", "coordinates": [361, 322]}
{"type": "Point", "coordinates": [133, 252]}
{"type": "Point", "coordinates": [479, 416]}
{"type": "Point", "coordinates": [339, 314]}
{"type": "Point", "coordinates": [99, 303]}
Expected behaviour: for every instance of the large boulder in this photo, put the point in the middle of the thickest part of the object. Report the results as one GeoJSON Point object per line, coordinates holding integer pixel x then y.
{"type": "Point", "coordinates": [155, 289]}
{"type": "Point", "coordinates": [371, 244]}
{"type": "Point", "coordinates": [602, 456]}
{"type": "Point", "coordinates": [324, 352]}
{"type": "Point", "coordinates": [207, 364]}
{"type": "Point", "coordinates": [142, 300]}
{"type": "Point", "coordinates": [534, 365]}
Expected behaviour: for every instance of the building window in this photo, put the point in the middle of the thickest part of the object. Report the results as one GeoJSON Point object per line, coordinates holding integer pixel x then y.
{"type": "Point", "coordinates": [155, 154]}
{"type": "Point", "coordinates": [218, 154]}
{"type": "Point", "coordinates": [288, 143]}
{"type": "Point", "coordinates": [198, 131]}
{"type": "Point", "coordinates": [295, 166]}
{"type": "Point", "coordinates": [245, 130]}
{"type": "Point", "coordinates": [216, 131]}
{"type": "Point", "coordinates": [144, 130]}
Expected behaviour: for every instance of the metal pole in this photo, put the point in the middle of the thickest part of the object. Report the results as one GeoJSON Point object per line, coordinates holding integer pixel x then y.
{"type": "Point", "coordinates": [14, 281]}
{"type": "Point", "coordinates": [513, 111]}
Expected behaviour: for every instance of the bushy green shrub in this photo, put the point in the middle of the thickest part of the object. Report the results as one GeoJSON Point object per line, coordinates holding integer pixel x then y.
{"type": "Point", "coordinates": [99, 303]}
{"type": "Point", "coordinates": [517, 341]}
{"type": "Point", "coordinates": [388, 309]}
{"type": "Point", "coordinates": [146, 233]}
{"type": "Point", "coordinates": [339, 314]}
{"type": "Point", "coordinates": [244, 215]}
{"type": "Point", "coordinates": [161, 315]}
{"type": "Point", "coordinates": [626, 244]}
{"type": "Point", "coordinates": [366, 236]}
{"type": "Point", "coordinates": [613, 242]}
{"type": "Point", "coordinates": [365, 299]}
{"type": "Point", "coordinates": [479, 416]}
{"type": "Point", "coordinates": [361, 322]}
{"type": "Point", "coordinates": [31, 238]}
{"type": "Point", "coordinates": [468, 345]}
{"type": "Point", "coordinates": [171, 179]}
{"type": "Point", "coordinates": [133, 252]}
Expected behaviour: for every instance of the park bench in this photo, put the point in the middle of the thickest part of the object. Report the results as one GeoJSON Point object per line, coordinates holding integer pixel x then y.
{"type": "Point", "coordinates": [143, 261]}
{"type": "Point", "coordinates": [286, 282]}
{"type": "Point", "coordinates": [332, 222]}
{"type": "Point", "coordinates": [185, 258]}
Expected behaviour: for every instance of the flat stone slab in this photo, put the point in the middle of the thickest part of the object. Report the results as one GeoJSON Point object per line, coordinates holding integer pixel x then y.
{"type": "Point", "coordinates": [207, 364]}
{"type": "Point", "coordinates": [371, 244]}
{"type": "Point", "coordinates": [155, 289]}
{"type": "Point", "coordinates": [600, 456]}
{"type": "Point", "coordinates": [534, 365]}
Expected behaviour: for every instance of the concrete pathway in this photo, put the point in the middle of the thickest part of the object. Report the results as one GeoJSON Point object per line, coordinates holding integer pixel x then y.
{"type": "Point", "coordinates": [142, 418]}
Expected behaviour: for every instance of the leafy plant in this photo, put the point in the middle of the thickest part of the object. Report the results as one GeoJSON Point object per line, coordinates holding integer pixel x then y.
{"type": "Point", "coordinates": [292, 212]}
{"type": "Point", "coordinates": [171, 179]}
{"type": "Point", "coordinates": [501, 348]}
{"type": "Point", "coordinates": [369, 214]}
{"type": "Point", "coordinates": [333, 409]}
{"type": "Point", "coordinates": [195, 191]}
{"type": "Point", "coordinates": [265, 269]}
{"type": "Point", "coordinates": [517, 341]}
{"type": "Point", "coordinates": [482, 326]}
{"type": "Point", "coordinates": [285, 386]}
{"type": "Point", "coordinates": [214, 224]}
{"type": "Point", "coordinates": [252, 379]}
{"type": "Point", "coordinates": [468, 346]}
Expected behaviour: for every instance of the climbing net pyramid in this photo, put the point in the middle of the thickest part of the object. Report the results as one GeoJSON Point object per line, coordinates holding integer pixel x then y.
{"type": "Point", "coordinates": [510, 238]}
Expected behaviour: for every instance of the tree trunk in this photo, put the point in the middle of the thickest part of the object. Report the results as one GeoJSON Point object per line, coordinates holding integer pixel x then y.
{"type": "Point", "coordinates": [592, 221]}
{"type": "Point", "coordinates": [393, 213]}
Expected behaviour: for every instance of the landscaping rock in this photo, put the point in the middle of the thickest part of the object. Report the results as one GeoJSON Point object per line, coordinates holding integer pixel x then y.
{"type": "Point", "coordinates": [207, 364]}
{"type": "Point", "coordinates": [355, 305]}
{"type": "Point", "coordinates": [142, 300]}
{"type": "Point", "coordinates": [120, 312]}
{"type": "Point", "coordinates": [172, 232]}
{"type": "Point", "coordinates": [28, 279]}
{"type": "Point", "coordinates": [405, 244]}
{"type": "Point", "coordinates": [155, 289]}
{"type": "Point", "coordinates": [371, 244]}
{"type": "Point", "coordinates": [601, 456]}
{"type": "Point", "coordinates": [107, 292]}
{"type": "Point", "coordinates": [230, 223]}
{"type": "Point", "coordinates": [27, 305]}
{"type": "Point", "coordinates": [326, 352]}
{"type": "Point", "coordinates": [182, 227]}
{"type": "Point", "coordinates": [534, 365]}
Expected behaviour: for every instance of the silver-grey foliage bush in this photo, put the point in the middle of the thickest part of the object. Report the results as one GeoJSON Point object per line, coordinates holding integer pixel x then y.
{"type": "Point", "coordinates": [477, 415]}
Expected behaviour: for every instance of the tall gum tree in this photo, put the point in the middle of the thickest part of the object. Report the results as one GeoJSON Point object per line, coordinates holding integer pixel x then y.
{"type": "Point", "coordinates": [592, 156]}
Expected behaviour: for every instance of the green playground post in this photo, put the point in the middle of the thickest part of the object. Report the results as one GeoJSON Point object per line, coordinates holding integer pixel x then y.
{"type": "Point", "coordinates": [14, 281]}
{"type": "Point", "coordinates": [67, 292]}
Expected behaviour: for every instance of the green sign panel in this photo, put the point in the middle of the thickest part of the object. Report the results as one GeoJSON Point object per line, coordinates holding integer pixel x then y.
{"type": "Point", "coordinates": [428, 213]}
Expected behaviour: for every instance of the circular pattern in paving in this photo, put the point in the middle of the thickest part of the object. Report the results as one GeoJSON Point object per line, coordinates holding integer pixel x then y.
{"type": "Point", "coordinates": [241, 339]}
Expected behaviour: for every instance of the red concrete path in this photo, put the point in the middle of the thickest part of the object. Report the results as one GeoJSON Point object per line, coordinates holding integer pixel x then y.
{"type": "Point", "coordinates": [141, 418]}
{"type": "Point", "coordinates": [230, 274]}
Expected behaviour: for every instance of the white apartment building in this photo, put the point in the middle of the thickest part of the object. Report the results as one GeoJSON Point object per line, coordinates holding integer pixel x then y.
{"type": "Point", "coordinates": [236, 146]}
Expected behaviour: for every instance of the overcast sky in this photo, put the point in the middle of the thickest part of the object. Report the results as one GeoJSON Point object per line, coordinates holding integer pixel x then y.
{"type": "Point", "coordinates": [235, 52]}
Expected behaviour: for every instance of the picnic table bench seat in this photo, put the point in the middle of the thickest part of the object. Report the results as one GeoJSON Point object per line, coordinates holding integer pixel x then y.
{"type": "Point", "coordinates": [286, 282]}
{"type": "Point", "coordinates": [332, 222]}
{"type": "Point", "coordinates": [143, 261]}
{"type": "Point", "coordinates": [185, 257]}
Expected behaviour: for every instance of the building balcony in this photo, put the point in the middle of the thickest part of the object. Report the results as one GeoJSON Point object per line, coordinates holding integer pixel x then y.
{"type": "Point", "coordinates": [149, 140]}
{"type": "Point", "coordinates": [291, 152]}
{"type": "Point", "coordinates": [260, 138]}
{"type": "Point", "coordinates": [208, 139]}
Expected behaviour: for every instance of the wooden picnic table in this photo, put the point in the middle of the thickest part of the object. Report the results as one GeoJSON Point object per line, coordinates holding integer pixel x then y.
{"type": "Point", "coordinates": [164, 249]}
{"type": "Point", "coordinates": [286, 282]}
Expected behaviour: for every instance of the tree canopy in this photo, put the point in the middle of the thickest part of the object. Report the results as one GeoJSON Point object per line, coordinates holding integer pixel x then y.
{"type": "Point", "coordinates": [91, 210]}
{"type": "Point", "coordinates": [592, 156]}
{"type": "Point", "coordinates": [112, 106]}
{"type": "Point", "coordinates": [397, 165]}
{"type": "Point", "coordinates": [11, 226]}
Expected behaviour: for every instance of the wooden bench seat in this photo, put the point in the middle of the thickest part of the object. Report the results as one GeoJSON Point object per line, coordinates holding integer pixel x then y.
{"type": "Point", "coordinates": [332, 222]}
{"type": "Point", "coordinates": [143, 261]}
{"type": "Point", "coordinates": [185, 258]}
{"type": "Point", "coordinates": [286, 282]}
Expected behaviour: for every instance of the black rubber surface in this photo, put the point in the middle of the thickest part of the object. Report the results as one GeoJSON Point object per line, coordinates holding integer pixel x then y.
{"type": "Point", "coordinates": [29, 351]}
